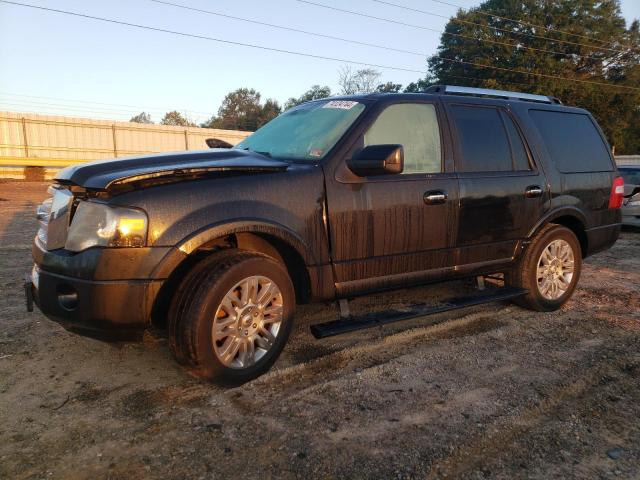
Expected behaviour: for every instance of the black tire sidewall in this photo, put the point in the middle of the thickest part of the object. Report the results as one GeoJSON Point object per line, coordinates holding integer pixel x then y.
{"type": "Point", "coordinates": [205, 306]}
{"type": "Point", "coordinates": [557, 233]}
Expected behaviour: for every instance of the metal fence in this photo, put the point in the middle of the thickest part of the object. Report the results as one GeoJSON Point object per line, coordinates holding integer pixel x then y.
{"type": "Point", "coordinates": [46, 143]}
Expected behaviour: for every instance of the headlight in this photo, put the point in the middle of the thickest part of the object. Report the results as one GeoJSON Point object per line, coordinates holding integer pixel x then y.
{"type": "Point", "coordinates": [96, 224]}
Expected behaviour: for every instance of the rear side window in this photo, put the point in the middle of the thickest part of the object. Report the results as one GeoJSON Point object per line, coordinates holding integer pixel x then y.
{"type": "Point", "coordinates": [573, 141]}
{"type": "Point", "coordinates": [484, 143]}
{"type": "Point", "coordinates": [518, 150]}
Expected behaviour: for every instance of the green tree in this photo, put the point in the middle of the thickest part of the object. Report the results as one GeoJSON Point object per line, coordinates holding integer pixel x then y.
{"type": "Point", "coordinates": [606, 51]}
{"type": "Point", "coordinates": [421, 85]}
{"type": "Point", "coordinates": [389, 87]}
{"type": "Point", "coordinates": [270, 110]}
{"type": "Point", "coordinates": [316, 92]}
{"type": "Point", "coordinates": [142, 117]}
{"type": "Point", "coordinates": [176, 119]}
{"type": "Point", "coordinates": [243, 110]}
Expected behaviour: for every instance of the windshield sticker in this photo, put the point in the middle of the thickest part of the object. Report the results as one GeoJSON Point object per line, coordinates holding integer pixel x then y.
{"type": "Point", "coordinates": [341, 104]}
{"type": "Point", "coordinates": [316, 152]}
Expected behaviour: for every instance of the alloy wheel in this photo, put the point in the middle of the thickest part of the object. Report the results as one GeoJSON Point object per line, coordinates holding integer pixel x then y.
{"type": "Point", "coordinates": [555, 269]}
{"type": "Point", "coordinates": [247, 322]}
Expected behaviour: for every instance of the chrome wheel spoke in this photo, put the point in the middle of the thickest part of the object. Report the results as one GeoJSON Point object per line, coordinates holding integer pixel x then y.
{"type": "Point", "coordinates": [246, 355]}
{"type": "Point", "coordinates": [228, 307]}
{"type": "Point", "coordinates": [224, 327]}
{"type": "Point", "coordinates": [265, 338]}
{"type": "Point", "coordinates": [230, 349]}
{"type": "Point", "coordinates": [266, 294]}
{"type": "Point", "coordinates": [273, 313]}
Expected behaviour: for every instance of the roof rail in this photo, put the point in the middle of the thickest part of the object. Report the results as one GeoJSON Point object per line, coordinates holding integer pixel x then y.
{"type": "Point", "coordinates": [487, 92]}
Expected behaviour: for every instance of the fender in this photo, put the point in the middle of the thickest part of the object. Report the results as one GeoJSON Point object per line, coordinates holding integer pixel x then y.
{"type": "Point", "coordinates": [566, 211]}
{"type": "Point", "coordinates": [191, 243]}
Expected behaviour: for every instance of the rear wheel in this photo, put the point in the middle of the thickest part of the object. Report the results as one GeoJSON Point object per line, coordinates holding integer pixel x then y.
{"type": "Point", "coordinates": [549, 269]}
{"type": "Point", "coordinates": [232, 316]}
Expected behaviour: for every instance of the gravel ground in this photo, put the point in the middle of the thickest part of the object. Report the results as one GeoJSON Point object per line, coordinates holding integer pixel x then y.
{"type": "Point", "coordinates": [490, 392]}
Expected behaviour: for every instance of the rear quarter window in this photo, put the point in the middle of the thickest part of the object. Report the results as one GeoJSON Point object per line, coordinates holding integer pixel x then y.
{"type": "Point", "coordinates": [573, 141]}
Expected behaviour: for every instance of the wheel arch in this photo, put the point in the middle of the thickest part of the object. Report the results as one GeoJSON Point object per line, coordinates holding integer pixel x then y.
{"type": "Point", "coordinates": [571, 218]}
{"type": "Point", "coordinates": [277, 242]}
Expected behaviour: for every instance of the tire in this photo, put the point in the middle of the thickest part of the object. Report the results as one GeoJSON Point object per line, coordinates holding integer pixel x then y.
{"type": "Point", "coordinates": [222, 291]}
{"type": "Point", "coordinates": [559, 276]}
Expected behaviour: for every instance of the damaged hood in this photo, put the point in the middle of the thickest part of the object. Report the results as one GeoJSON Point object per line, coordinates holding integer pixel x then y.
{"type": "Point", "coordinates": [103, 174]}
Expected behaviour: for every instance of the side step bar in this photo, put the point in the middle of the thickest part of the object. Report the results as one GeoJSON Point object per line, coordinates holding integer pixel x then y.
{"type": "Point", "coordinates": [353, 323]}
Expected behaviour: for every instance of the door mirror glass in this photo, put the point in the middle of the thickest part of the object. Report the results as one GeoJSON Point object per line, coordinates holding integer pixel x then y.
{"type": "Point", "coordinates": [377, 160]}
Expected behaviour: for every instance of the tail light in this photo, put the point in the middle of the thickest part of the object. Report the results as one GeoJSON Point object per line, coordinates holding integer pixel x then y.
{"type": "Point", "coordinates": [617, 193]}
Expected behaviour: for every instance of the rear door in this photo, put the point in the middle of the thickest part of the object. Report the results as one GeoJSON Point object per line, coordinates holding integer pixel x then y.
{"type": "Point", "coordinates": [394, 230]}
{"type": "Point", "coordinates": [502, 192]}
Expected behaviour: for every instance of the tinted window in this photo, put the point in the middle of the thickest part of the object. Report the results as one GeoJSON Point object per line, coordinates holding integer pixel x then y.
{"type": "Point", "coordinates": [483, 140]}
{"type": "Point", "coordinates": [573, 141]}
{"type": "Point", "coordinates": [518, 150]}
{"type": "Point", "coordinates": [415, 127]}
{"type": "Point", "coordinates": [631, 175]}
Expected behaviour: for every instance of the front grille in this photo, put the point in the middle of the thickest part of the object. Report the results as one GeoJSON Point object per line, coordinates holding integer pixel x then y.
{"type": "Point", "coordinates": [54, 216]}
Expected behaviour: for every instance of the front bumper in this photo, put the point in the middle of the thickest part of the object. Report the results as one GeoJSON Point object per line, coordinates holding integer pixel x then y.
{"type": "Point", "coordinates": [83, 293]}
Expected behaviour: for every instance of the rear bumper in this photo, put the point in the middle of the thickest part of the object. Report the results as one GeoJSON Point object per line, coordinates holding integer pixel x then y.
{"type": "Point", "coordinates": [631, 215]}
{"type": "Point", "coordinates": [602, 238]}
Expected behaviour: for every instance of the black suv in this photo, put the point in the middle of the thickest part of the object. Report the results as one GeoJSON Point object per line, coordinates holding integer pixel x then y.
{"type": "Point", "coordinates": [334, 198]}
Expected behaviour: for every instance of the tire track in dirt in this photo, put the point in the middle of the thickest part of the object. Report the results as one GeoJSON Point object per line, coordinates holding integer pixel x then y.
{"type": "Point", "coordinates": [298, 380]}
{"type": "Point", "coordinates": [473, 455]}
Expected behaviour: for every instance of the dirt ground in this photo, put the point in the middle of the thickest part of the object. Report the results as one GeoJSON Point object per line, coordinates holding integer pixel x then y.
{"type": "Point", "coordinates": [490, 392]}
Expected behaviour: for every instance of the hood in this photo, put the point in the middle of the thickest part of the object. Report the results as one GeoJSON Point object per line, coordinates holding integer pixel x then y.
{"type": "Point", "coordinates": [103, 174]}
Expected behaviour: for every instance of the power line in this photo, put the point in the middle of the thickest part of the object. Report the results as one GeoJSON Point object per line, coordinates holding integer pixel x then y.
{"type": "Point", "coordinates": [86, 109]}
{"type": "Point", "coordinates": [212, 39]}
{"type": "Point", "coordinates": [520, 22]}
{"type": "Point", "coordinates": [511, 32]}
{"type": "Point", "coordinates": [356, 42]}
{"type": "Point", "coordinates": [134, 107]}
{"type": "Point", "coordinates": [290, 29]}
{"type": "Point", "coordinates": [421, 27]}
{"type": "Point", "coordinates": [302, 54]}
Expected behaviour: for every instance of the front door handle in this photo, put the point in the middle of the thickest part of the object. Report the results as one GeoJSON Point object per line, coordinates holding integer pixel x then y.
{"type": "Point", "coordinates": [533, 191]}
{"type": "Point", "coordinates": [435, 197]}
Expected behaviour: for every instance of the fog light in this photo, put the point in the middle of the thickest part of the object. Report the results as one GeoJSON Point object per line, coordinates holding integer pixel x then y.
{"type": "Point", "coordinates": [67, 297]}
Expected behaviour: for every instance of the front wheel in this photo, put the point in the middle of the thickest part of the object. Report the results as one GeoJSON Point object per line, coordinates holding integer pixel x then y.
{"type": "Point", "coordinates": [549, 269]}
{"type": "Point", "coordinates": [232, 316]}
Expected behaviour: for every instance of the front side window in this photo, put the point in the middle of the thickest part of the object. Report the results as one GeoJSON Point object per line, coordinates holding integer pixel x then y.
{"type": "Point", "coordinates": [415, 127]}
{"type": "Point", "coordinates": [483, 140]}
{"type": "Point", "coordinates": [306, 132]}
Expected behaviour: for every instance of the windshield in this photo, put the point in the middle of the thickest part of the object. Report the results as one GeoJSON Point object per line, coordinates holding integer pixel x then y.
{"type": "Point", "coordinates": [631, 175]}
{"type": "Point", "coordinates": [306, 132]}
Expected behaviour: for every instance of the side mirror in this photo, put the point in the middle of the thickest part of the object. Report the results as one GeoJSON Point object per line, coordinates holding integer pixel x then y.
{"type": "Point", "coordinates": [217, 143]}
{"type": "Point", "coordinates": [377, 160]}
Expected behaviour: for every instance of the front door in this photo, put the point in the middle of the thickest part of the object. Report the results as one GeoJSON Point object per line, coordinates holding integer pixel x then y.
{"type": "Point", "coordinates": [394, 230]}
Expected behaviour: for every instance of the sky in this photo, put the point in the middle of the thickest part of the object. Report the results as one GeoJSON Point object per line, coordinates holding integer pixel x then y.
{"type": "Point", "coordinates": [58, 64]}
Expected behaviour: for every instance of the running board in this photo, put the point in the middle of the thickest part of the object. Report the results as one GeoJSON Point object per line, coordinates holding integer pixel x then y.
{"type": "Point", "coordinates": [353, 323]}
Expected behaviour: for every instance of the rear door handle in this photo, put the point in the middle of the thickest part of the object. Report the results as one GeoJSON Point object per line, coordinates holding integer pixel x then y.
{"type": "Point", "coordinates": [435, 197]}
{"type": "Point", "coordinates": [533, 191]}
